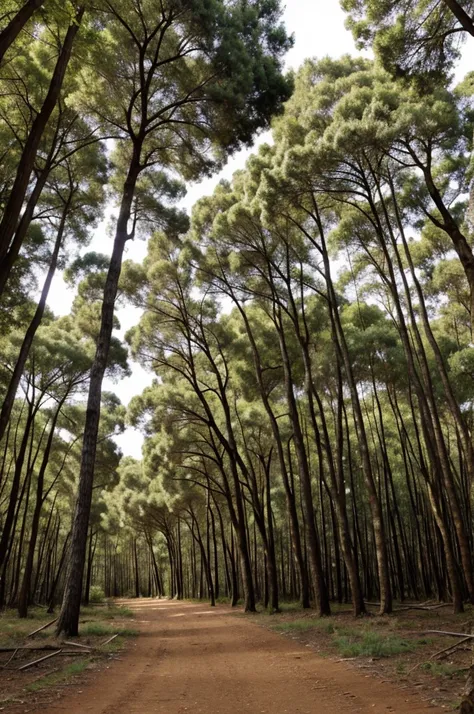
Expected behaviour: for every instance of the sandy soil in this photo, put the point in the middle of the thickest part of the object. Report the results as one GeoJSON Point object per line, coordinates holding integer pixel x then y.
{"type": "Point", "coordinates": [190, 658]}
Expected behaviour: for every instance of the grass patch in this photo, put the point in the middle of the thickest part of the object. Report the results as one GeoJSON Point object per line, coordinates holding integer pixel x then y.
{"type": "Point", "coordinates": [438, 669]}
{"type": "Point", "coordinates": [290, 607]}
{"type": "Point", "coordinates": [371, 644]}
{"type": "Point", "coordinates": [115, 646]}
{"type": "Point", "coordinates": [107, 612]}
{"type": "Point", "coordinates": [14, 630]}
{"type": "Point", "coordinates": [50, 680]}
{"type": "Point", "coordinates": [101, 630]}
{"type": "Point", "coordinates": [304, 625]}
{"type": "Point", "coordinates": [117, 612]}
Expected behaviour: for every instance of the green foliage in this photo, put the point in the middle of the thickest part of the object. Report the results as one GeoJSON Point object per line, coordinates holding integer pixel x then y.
{"type": "Point", "coordinates": [441, 669]}
{"type": "Point", "coordinates": [71, 670]}
{"type": "Point", "coordinates": [371, 644]}
{"type": "Point", "coordinates": [100, 630]}
{"type": "Point", "coordinates": [418, 37]}
{"type": "Point", "coordinates": [96, 594]}
{"type": "Point", "coordinates": [305, 625]}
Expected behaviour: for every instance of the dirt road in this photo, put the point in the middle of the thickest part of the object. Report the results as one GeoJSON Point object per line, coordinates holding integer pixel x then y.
{"type": "Point", "coordinates": [190, 658]}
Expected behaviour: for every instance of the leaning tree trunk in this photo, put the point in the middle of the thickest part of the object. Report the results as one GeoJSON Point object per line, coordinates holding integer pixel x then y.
{"type": "Point", "coordinates": [16, 199]}
{"type": "Point", "coordinates": [461, 15]}
{"type": "Point", "coordinates": [16, 24]}
{"type": "Point", "coordinates": [68, 621]}
{"type": "Point", "coordinates": [18, 370]}
{"type": "Point", "coordinates": [9, 519]}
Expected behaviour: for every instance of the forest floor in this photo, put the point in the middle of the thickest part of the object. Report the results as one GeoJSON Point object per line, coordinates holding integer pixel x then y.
{"type": "Point", "coordinates": [398, 648]}
{"type": "Point", "coordinates": [104, 629]}
{"type": "Point", "coordinates": [191, 658]}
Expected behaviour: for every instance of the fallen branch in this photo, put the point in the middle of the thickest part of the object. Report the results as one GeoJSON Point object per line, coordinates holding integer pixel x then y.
{"type": "Point", "coordinates": [412, 669]}
{"type": "Point", "coordinates": [451, 647]}
{"type": "Point", "coordinates": [13, 655]}
{"type": "Point", "coordinates": [76, 644]}
{"type": "Point", "coordinates": [443, 651]}
{"type": "Point", "coordinates": [426, 608]}
{"type": "Point", "coordinates": [33, 648]}
{"type": "Point", "coordinates": [43, 627]}
{"type": "Point", "coordinates": [402, 608]}
{"type": "Point", "coordinates": [37, 661]}
{"type": "Point", "coordinates": [43, 675]}
{"type": "Point", "coordinates": [448, 634]}
{"type": "Point", "coordinates": [109, 640]}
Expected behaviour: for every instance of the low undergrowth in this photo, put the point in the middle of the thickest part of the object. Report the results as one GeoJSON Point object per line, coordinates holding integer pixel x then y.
{"type": "Point", "coordinates": [97, 624]}
{"type": "Point", "coordinates": [66, 673]}
{"type": "Point", "coordinates": [14, 630]}
{"type": "Point", "coordinates": [372, 644]}
{"type": "Point", "coordinates": [303, 625]}
{"type": "Point", "coordinates": [400, 647]}
{"type": "Point", "coordinates": [350, 642]}
{"type": "Point", "coordinates": [100, 629]}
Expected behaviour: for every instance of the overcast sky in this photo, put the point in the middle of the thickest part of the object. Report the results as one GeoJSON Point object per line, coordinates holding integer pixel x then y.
{"type": "Point", "coordinates": [318, 28]}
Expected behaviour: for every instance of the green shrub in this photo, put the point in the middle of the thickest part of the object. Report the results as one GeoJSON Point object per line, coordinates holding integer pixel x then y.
{"type": "Point", "coordinates": [96, 594]}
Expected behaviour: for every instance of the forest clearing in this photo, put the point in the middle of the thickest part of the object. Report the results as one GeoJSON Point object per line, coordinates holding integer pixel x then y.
{"type": "Point", "coordinates": [237, 355]}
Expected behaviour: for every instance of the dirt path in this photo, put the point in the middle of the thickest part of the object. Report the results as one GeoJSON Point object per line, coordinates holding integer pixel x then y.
{"type": "Point", "coordinates": [190, 658]}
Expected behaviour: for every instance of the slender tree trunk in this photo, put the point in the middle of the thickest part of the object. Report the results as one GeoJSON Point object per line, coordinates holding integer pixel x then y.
{"type": "Point", "coordinates": [68, 621]}
{"type": "Point", "coordinates": [54, 585]}
{"type": "Point", "coordinates": [136, 569]}
{"type": "Point", "coordinates": [28, 573]}
{"type": "Point", "coordinates": [289, 494]}
{"type": "Point", "coordinates": [16, 24]}
{"type": "Point", "coordinates": [15, 487]}
{"type": "Point", "coordinates": [315, 562]}
{"type": "Point", "coordinates": [374, 501]}
{"type": "Point", "coordinates": [12, 388]}
{"type": "Point", "coordinates": [16, 199]}
{"type": "Point", "coordinates": [461, 15]}
{"type": "Point", "coordinates": [90, 560]}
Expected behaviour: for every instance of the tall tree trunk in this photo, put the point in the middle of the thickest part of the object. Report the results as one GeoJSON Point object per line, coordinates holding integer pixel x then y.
{"type": "Point", "coordinates": [12, 388]}
{"type": "Point", "coordinates": [28, 572]}
{"type": "Point", "coordinates": [16, 199]}
{"type": "Point", "coordinates": [136, 569]}
{"type": "Point", "coordinates": [16, 24]}
{"type": "Point", "coordinates": [461, 15]}
{"type": "Point", "coordinates": [68, 621]}
{"type": "Point", "coordinates": [374, 501]}
{"type": "Point", "coordinates": [289, 493]}
{"type": "Point", "coordinates": [15, 487]}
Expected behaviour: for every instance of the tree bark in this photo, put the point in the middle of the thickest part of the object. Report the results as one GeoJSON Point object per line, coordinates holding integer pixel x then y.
{"type": "Point", "coordinates": [68, 621]}
{"type": "Point", "coordinates": [16, 24]}
{"type": "Point", "coordinates": [461, 15]}
{"type": "Point", "coordinates": [12, 388]}
{"type": "Point", "coordinates": [16, 199]}
{"type": "Point", "coordinates": [28, 572]}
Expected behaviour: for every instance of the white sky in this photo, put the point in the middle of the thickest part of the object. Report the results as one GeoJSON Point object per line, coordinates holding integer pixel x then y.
{"type": "Point", "coordinates": [318, 28]}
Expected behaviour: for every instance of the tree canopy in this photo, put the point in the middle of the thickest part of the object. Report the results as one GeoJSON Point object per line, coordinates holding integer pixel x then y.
{"type": "Point", "coordinates": [309, 327]}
